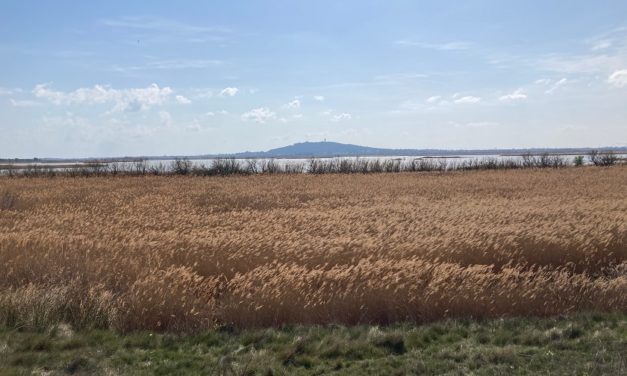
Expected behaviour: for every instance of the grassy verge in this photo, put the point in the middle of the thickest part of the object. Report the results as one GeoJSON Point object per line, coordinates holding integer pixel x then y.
{"type": "Point", "coordinates": [583, 344]}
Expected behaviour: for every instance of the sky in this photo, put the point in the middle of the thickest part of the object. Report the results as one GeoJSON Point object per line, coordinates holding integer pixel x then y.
{"type": "Point", "coordinates": [124, 78]}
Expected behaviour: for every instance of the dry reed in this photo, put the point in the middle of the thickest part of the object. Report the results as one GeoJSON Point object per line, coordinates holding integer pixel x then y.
{"type": "Point", "coordinates": [184, 253]}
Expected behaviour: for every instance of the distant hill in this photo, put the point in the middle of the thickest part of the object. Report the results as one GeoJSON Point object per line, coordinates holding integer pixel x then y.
{"type": "Point", "coordinates": [328, 149]}
{"type": "Point", "coordinates": [325, 149]}
{"type": "Point", "coordinates": [336, 149]}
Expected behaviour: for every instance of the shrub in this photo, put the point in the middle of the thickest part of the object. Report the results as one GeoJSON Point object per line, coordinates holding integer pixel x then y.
{"type": "Point", "coordinates": [140, 167]}
{"type": "Point", "coordinates": [181, 166]}
{"type": "Point", "coordinates": [602, 159]}
{"type": "Point", "coordinates": [270, 166]}
{"type": "Point", "coordinates": [608, 159]}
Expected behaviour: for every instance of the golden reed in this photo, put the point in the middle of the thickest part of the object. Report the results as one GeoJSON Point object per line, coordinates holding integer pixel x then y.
{"type": "Point", "coordinates": [189, 253]}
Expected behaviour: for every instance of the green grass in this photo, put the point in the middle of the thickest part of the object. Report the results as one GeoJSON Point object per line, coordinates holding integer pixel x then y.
{"type": "Point", "coordinates": [591, 344]}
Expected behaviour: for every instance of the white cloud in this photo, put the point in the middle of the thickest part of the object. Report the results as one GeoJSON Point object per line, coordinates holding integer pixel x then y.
{"type": "Point", "coordinates": [618, 78]}
{"type": "Point", "coordinates": [434, 99]}
{"type": "Point", "coordinates": [475, 124]}
{"type": "Point", "coordinates": [23, 103]}
{"type": "Point", "coordinates": [327, 112]}
{"type": "Point", "coordinates": [194, 126]}
{"type": "Point", "coordinates": [608, 39]}
{"type": "Point", "coordinates": [216, 113]}
{"type": "Point", "coordinates": [466, 100]}
{"type": "Point", "coordinates": [319, 98]}
{"type": "Point", "coordinates": [293, 104]}
{"type": "Point", "coordinates": [229, 92]}
{"type": "Point", "coordinates": [581, 64]}
{"type": "Point", "coordinates": [181, 64]}
{"type": "Point", "coordinates": [4, 91]}
{"type": "Point", "coordinates": [199, 93]}
{"type": "Point", "coordinates": [399, 77]}
{"type": "Point", "coordinates": [602, 44]}
{"type": "Point", "coordinates": [168, 65]}
{"type": "Point", "coordinates": [556, 86]}
{"type": "Point", "coordinates": [158, 29]}
{"type": "Point", "coordinates": [481, 124]}
{"type": "Point", "coordinates": [342, 116]}
{"type": "Point", "coordinates": [450, 46]}
{"type": "Point", "coordinates": [542, 81]}
{"type": "Point", "coordinates": [517, 95]}
{"type": "Point", "coordinates": [413, 106]}
{"type": "Point", "coordinates": [132, 99]}
{"type": "Point", "coordinates": [56, 97]}
{"type": "Point", "coordinates": [165, 118]}
{"type": "Point", "coordinates": [290, 119]}
{"type": "Point", "coordinates": [258, 115]}
{"type": "Point", "coordinates": [435, 103]}
{"type": "Point", "coordinates": [69, 119]}
{"type": "Point", "coordinates": [182, 100]}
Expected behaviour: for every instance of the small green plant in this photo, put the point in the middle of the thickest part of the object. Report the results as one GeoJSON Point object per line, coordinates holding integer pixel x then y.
{"type": "Point", "coordinates": [578, 161]}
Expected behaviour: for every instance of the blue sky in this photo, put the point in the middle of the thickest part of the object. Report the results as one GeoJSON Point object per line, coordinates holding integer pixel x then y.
{"type": "Point", "coordinates": [118, 78]}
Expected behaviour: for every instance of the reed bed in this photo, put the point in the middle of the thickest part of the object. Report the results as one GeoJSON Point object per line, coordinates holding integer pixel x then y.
{"type": "Point", "coordinates": [185, 253]}
{"type": "Point", "coordinates": [347, 165]}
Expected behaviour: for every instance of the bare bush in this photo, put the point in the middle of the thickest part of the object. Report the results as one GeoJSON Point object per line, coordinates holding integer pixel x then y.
{"type": "Point", "coordinates": [270, 166]}
{"type": "Point", "coordinates": [181, 166]}
{"type": "Point", "coordinates": [140, 167]}
{"type": "Point", "coordinates": [602, 159]}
